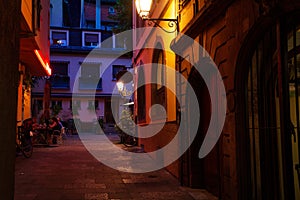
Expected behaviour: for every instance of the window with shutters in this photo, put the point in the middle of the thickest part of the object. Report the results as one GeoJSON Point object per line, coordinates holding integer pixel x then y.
{"type": "Point", "coordinates": [59, 37]}
{"type": "Point", "coordinates": [90, 39]}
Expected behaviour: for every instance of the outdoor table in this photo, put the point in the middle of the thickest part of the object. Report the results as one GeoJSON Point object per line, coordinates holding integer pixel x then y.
{"type": "Point", "coordinates": [42, 131]}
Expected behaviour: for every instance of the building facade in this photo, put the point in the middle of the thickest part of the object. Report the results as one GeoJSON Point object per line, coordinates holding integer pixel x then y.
{"type": "Point", "coordinates": [255, 45]}
{"type": "Point", "coordinates": [154, 47]}
{"type": "Point", "coordinates": [34, 51]}
{"type": "Point", "coordinates": [85, 58]}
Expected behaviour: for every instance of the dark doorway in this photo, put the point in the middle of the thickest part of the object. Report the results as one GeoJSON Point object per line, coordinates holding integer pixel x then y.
{"type": "Point", "coordinates": [195, 172]}
{"type": "Point", "coordinates": [109, 119]}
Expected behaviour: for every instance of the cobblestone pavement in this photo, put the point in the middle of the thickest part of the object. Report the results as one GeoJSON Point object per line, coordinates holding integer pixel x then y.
{"type": "Point", "coordinates": [69, 172]}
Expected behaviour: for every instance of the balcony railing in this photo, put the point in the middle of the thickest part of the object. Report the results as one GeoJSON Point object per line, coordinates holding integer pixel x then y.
{"type": "Point", "coordinates": [89, 83]}
{"type": "Point", "coordinates": [60, 82]}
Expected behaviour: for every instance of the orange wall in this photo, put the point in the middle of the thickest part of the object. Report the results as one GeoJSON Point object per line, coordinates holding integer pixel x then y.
{"type": "Point", "coordinates": [43, 32]}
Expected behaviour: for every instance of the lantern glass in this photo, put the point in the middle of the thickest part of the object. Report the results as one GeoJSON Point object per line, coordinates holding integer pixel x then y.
{"type": "Point", "coordinates": [120, 86]}
{"type": "Point", "coordinates": [143, 7]}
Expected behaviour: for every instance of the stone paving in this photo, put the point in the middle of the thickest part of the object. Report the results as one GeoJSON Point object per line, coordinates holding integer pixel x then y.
{"type": "Point", "coordinates": [70, 172]}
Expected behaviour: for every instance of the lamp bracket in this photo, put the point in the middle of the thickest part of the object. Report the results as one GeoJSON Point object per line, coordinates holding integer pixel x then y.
{"type": "Point", "coordinates": [172, 23]}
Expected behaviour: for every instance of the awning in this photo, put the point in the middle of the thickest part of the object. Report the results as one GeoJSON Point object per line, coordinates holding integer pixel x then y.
{"type": "Point", "coordinates": [30, 55]}
{"type": "Point", "coordinates": [35, 62]}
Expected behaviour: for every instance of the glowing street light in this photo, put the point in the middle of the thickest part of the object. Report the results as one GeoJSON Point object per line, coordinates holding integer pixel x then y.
{"type": "Point", "coordinates": [143, 8]}
{"type": "Point", "coordinates": [125, 83]}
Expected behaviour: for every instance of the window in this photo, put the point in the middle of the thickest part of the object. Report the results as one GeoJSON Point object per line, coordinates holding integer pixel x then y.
{"type": "Point", "coordinates": [272, 100]}
{"type": "Point", "coordinates": [66, 13]}
{"type": "Point", "coordinates": [96, 104]}
{"type": "Point", "coordinates": [93, 104]}
{"type": "Point", "coordinates": [59, 68]}
{"type": "Point", "coordinates": [90, 39]}
{"type": "Point", "coordinates": [120, 41]}
{"type": "Point", "coordinates": [111, 10]}
{"type": "Point", "coordinates": [56, 104]}
{"type": "Point", "coordinates": [75, 104]}
{"type": "Point", "coordinates": [90, 76]}
{"type": "Point", "coordinates": [160, 71]}
{"type": "Point", "coordinates": [60, 78]}
{"type": "Point", "coordinates": [59, 37]}
{"type": "Point", "coordinates": [158, 77]}
{"type": "Point", "coordinates": [90, 12]}
{"type": "Point", "coordinates": [116, 69]}
{"type": "Point", "coordinates": [90, 70]}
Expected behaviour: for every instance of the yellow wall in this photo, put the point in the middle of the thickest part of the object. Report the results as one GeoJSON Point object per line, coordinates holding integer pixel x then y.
{"type": "Point", "coordinates": [19, 108]}
{"type": "Point", "coordinates": [24, 98]}
{"type": "Point", "coordinates": [26, 9]}
{"type": "Point", "coordinates": [166, 10]}
{"type": "Point", "coordinates": [43, 32]}
{"type": "Point", "coordinates": [27, 103]}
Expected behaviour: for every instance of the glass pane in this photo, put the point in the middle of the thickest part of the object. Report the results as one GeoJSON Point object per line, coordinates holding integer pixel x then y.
{"type": "Point", "coordinates": [294, 91]}
{"type": "Point", "coordinates": [90, 70]}
{"type": "Point", "coordinates": [59, 68]}
{"type": "Point", "coordinates": [89, 20]}
{"type": "Point", "coordinates": [91, 38]}
{"type": "Point", "coordinates": [59, 35]}
{"type": "Point", "coordinates": [116, 70]}
{"type": "Point", "coordinates": [59, 38]}
{"type": "Point", "coordinates": [254, 127]}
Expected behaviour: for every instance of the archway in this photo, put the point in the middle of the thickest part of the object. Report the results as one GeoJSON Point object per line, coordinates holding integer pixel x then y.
{"type": "Point", "coordinates": [268, 113]}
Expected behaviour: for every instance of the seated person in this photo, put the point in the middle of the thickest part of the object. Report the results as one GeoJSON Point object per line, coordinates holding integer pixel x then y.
{"type": "Point", "coordinates": [59, 122]}
{"type": "Point", "coordinates": [63, 127]}
{"type": "Point", "coordinates": [54, 128]}
{"type": "Point", "coordinates": [54, 125]}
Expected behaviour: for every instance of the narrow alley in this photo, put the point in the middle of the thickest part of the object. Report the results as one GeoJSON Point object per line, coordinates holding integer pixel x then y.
{"type": "Point", "coordinates": [68, 171]}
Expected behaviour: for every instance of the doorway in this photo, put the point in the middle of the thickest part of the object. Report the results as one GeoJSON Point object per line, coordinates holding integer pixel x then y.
{"type": "Point", "coordinates": [109, 119]}
{"type": "Point", "coordinates": [200, 173]}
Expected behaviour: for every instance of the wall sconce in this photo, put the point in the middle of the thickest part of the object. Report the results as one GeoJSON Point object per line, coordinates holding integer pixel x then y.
{"type": "Point", "coordinates": [143, 8]}
{"type": "Point", "coordinates": [125, 83]}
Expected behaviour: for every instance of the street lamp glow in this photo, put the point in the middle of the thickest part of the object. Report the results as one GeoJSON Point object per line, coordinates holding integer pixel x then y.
{"type": "Point", "coordinates": [120, 86]}
{"type": "Point", "coordinates": [124, 83]}
{"type": "Point", "coordinates": [143, 7]}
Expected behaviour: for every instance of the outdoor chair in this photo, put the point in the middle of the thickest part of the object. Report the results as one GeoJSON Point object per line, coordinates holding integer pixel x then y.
{"type": "Point", "coordinates": [57, 136]}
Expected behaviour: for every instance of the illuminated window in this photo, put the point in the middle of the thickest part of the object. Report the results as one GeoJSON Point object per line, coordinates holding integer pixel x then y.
{"type": "Point", "coordinates": [59, 37]}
